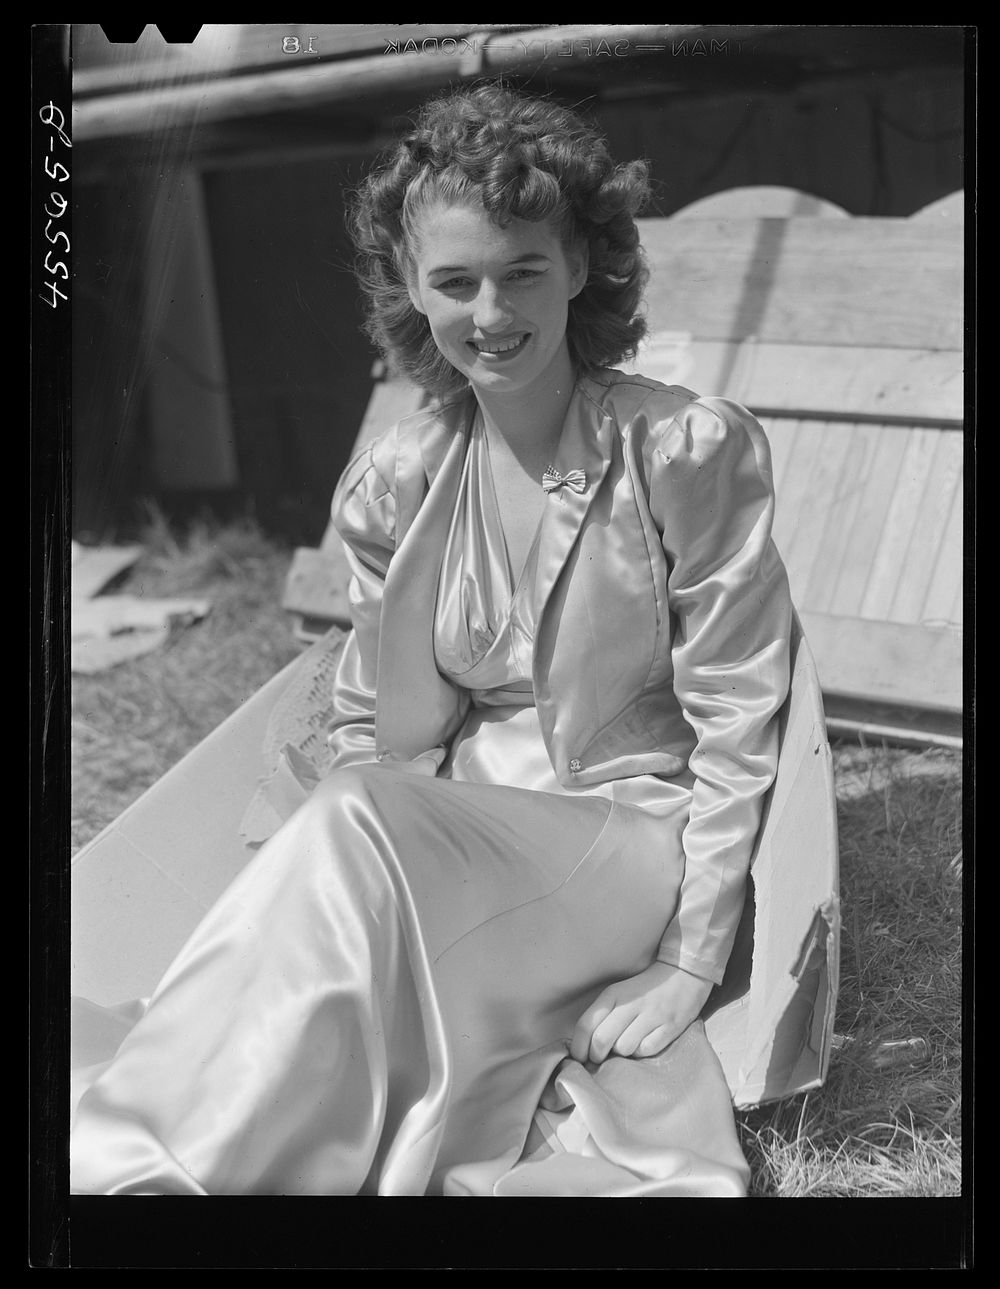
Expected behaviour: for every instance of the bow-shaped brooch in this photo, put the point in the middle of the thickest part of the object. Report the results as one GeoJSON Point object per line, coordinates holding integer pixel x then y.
{"type": "Point", "coordinates": [575, 480]}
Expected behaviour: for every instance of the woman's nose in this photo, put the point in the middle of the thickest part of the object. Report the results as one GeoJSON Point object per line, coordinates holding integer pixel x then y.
{"type": "Point", "coordinates": [491, 311]}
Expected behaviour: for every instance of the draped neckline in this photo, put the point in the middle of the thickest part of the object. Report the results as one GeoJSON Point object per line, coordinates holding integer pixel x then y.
{"type": "Point", "coordinates": [492, 506]}
{"type": "Point", "coordinates": [484, 620]}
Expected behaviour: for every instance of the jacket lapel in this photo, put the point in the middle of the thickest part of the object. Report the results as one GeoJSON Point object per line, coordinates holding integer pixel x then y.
{"type": "Point", "coordinates": [417, 708]}
{"type": "Point", "coordinates": [585, 445]}
{"type": "Point", "coordinates": [421, 451]}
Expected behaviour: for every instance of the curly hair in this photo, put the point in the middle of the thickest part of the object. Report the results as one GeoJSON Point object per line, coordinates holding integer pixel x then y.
{"type": "Point", "coordinates": [520, 158]}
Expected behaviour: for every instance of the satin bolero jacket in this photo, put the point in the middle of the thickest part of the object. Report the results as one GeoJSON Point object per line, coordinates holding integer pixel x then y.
{"type": "Point", "coordinates": [662, 638]}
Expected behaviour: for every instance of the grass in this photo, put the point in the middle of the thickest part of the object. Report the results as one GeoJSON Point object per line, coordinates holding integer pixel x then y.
{"type": "Point", "coordinates": [888, 1120]}
{"type": "Point", "coordinates": [132, 723]}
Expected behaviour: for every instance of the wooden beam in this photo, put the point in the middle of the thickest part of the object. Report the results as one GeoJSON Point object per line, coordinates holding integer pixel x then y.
{"type": "Point", "coordinates": [238, 48]}
{"type": "Point", "coordinates": [811, 381]}
{"type": "Point", "coordinates": [906, 728]}
{"type": "Point", "coordinates": [316, 85]}
{"type": "Point", "coordinates": [886, 662]}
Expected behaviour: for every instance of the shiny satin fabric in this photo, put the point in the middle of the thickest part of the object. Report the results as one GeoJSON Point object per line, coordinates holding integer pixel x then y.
{"type": "Point", "coordinates": [382, 1002]}
{"type": "Point", "coordinates": [379, 1001]}
{"type": "Point", "coordinates": [663, 617]}
{"type": "Point", "coordinates": [484, 629]}
{"type": "Point", "coordinates": [483, 622]}
{"type": "Point", "coordinates": [657, 1127]}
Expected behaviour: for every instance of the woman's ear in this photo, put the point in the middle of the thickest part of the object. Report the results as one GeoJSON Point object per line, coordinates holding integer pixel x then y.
{"type": "Point", "coordinates": [578, 260]}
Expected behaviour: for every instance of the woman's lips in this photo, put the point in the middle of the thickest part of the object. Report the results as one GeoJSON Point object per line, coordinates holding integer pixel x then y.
{"type": "Point", "coordinates": [499, 349]}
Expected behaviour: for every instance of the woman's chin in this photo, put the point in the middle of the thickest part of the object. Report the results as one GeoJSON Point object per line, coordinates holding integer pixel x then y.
{"type": "Point", "coordinates": [492, 368]}
{"type": "Point", "coordinates": [514, 376]}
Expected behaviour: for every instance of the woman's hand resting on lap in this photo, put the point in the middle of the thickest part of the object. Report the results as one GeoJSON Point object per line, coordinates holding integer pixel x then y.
{"type": "Point", "coordinates": [640, 1016]}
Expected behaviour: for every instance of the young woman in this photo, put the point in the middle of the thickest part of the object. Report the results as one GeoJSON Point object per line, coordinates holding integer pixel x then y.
{"type": "Point", "coordinates": [555, 725]}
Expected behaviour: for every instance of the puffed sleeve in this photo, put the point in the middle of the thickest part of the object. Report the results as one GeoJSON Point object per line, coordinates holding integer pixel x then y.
{"type": "Point", "coordinates": [364, 514]}
{"type": "Point", "coordinates": [712, 496]}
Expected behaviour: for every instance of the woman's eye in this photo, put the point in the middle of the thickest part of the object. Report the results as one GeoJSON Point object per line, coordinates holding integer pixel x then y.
{"type": "Point", "coordinates": [459, 285]}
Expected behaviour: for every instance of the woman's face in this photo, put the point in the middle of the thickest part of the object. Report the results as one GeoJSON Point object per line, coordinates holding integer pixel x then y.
{"type": "Point", "coordinates": [496, 299]}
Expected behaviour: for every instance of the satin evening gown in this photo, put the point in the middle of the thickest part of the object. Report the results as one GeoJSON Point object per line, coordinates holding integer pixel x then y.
{"type": "Point", "coordinates": [382, 1002]}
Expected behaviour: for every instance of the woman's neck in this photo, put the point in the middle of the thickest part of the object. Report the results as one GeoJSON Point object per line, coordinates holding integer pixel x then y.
{"type": "Point", "coordinates": [530, 421]}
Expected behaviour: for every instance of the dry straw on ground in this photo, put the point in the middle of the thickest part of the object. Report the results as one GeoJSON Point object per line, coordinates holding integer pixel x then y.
{"type": "Point", "coordinates": [887, 1122]}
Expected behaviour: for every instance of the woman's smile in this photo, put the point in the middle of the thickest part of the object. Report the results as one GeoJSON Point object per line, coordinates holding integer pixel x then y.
{"type": "Point", "coordinates": [500, 349]}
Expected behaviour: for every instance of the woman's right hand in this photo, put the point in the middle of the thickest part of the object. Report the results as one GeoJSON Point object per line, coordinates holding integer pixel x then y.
{"type": "Point", "coordinates": [640, 1016]}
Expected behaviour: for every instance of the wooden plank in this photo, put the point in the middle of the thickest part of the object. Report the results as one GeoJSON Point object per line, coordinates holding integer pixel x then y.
{"type": "Point", "coordinates": [887, 662]}
{"type": "Point", "coordinates": [128, 921]}
{"type": "Point", "coordinates": [91, 654]}
{"type": "Point", "coordinates": [673, 357]}
{"type": "Point", "coordinates": [758, 201]}
{"type": "Point", "coordinates": [392, 398]}
{"type": "Point", "coordinates": [807, 557]}
{"type": "Point", "coordinates": [141, 886]}
{"type": "Point", "coordinates": [852, 577]}
{"type": "Point", "coordinates": [792, 499]}
{"type": "Point", "coordinates": [943, 478]}
{"type": "Point", "coordinates": [901, 520]}
{"type": "Point", "coordinates": [108, 614]}
{"type": "Point", "coordinates": [112, 629]}
{"type": "Point", "coordinates": [882, 381]}
{"type": "Point", "coordinates": [781, 440]}
{"type": "Point", "coordinates": [316, 585]}
{"type": "Point", "coordinates": [848, 490]}
{"type": "Point", "coordinates": [800, 820]}
{"type": "Point", "coordinates": [940, 606]}
{"type": "Point", "coordinates": [840, 282]}
{"type": "Point", "coordinates": [94, 567]}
